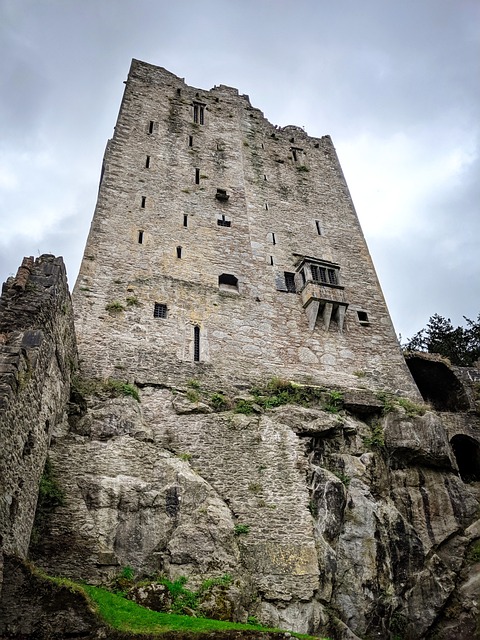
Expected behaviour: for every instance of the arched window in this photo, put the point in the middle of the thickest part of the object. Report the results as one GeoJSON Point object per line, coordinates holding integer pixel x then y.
{"type": "Point", "coordinates": [228, 282]}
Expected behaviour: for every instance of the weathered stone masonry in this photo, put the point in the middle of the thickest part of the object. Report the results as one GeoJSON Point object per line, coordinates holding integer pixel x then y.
{"type": "Point", "coordinates": [217, 216]}
{"type": "Point", "coordinates": [37, 354]}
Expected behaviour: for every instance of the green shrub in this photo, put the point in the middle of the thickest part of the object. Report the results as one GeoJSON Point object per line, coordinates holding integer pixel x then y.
{"type": "Point", "coordinates": [115, 306]}
{"type": "Point", "coordinates": [219, 402]}
{"type": "Point", "coordinates": [132, 301]}
{"type": "Point", "coordinates": [183, 600]}
{"type": "Point", "coordinates": [243, 406]}
{"type": "Point", "coordinates": [334, 402]}
{"type": "Point", "coordinates": [193, 384]}
{"type": "Point", "coordinates": [473, 554]}
{"type": "Point", "coordinates": [50, 496]}
{"type": "Point", "coordinates": [193, 396]}
{"type": "Point", "coordinates": [376, 439]}
{"type": "Point", "coordinates": [241, 529]}
{"type": "Point", "coordinates": [111, 387]}
{"type": "Point", "coordinates": [303, 169]}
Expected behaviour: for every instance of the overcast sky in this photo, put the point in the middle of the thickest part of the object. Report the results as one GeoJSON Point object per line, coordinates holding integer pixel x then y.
{"type": "Point", "coordinates": [396, 84]}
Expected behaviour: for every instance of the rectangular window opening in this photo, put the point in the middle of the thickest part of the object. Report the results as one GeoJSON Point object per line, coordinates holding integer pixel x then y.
{"type": "Point", "coordinates": [198, 113]}
{"type": "Point", "coordinates": [190, 141]}
{"type": "Point", "coordinates": [319, 228]}
{"type": "Point", "coordinates": [363, 317]}
{"type": "Point", "coordinates": [274, 240]}
{"type": "Point", "coordinates": [323, 275]}
{"type": "Point", "coordinates": [140, 237]}
{"type": "Point", "coordinates": [266, 206]}
{"type": "Point", "coordinates": [294, 155]}
{"type": "Point", "coordinates": [290, 282]}
{"type": "Point", "coordinates": [185, 220]}
{"type": "Point", "coordinates": [179, 252]}
{"type": "Point", "coordinates": [271, 260]}
{"type": "Point", "coordinates": [223, 222]}
{"type": "Point", "coordinates": [144, 200]}
{"type": "Point", "coordinates": [160, 310]}
{"type": "Point", "coordinates": [197, 176]}
{"type": "Point", "coordinates": [147, 162]}
{"type": "Point", "coordinates": [150, 126]}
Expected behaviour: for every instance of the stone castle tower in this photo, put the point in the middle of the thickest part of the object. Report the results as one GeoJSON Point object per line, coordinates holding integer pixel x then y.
{"type": "Point", "coordinates": [225, 252]}
{"type": "Point", "coordinates": [223, 244]}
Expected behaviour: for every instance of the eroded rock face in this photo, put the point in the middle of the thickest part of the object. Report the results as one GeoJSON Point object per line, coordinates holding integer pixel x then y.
{"type": "Point", "coordinates": [311, 513]}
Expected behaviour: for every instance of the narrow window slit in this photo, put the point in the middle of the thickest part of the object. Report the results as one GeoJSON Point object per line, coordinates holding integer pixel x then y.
{"type": "Point", "coordinates": [197, 176]}
{"type": "Point", "coordinates": [147, 162]}
{"type": "Point", "coordinates": [274, 240]}
{"type": "Point", "coordinates": [271, 260]}
{"type": "Point", "coordinates": [140, 237]}
{"type": "Point", "coordinates": [319, 228]}
{"type": "Point", "coordinates": [144, 200]}
{"type": "Point", "coordinates": [190, 141]}
{"type": "Point", "coordinates": [185, 220]}
{"type": "Point", "coordinates": [179, 252]}
{"type": "Point", "coordinates": [266, 206]}
{"type": "Point", "coordinates": [196, 343]}
{"type": "Point", "coordinates": [150, 126]}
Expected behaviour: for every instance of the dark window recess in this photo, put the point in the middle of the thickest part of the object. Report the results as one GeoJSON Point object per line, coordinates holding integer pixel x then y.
{"type": "Point", "coordinates": [140, 237]}
{"type": "Point", "coordinates": [228, 281]}
{"type": "Point", "coordinates": [323, 275]}
{"type": "Point", "coordinates": [196, 343]}
{"type": "Point", "coordinates": [160, 310]}
{"type": "Point", "coordinates": [266, 206]}
{"type": "Point", "coordinates": [302, 274]}
{"type": "Point", "coordinates": [294, 154]}
{"type": "Point", "coordinates": [179, 92]}
{"type": "Point", "coordinates": [264, 177]}
{"type": "Point", "coordinates": [198, 113]}
{"type": "Point", "coordinates": [150, 126]}
{"type": "Point", "coordinates": [144, 200]}
{"type": "Point", "coordinates": [222, 195]}
{"type": "Point", "coordinates": [190, 141]}
{"type": "Point", "coordinates": [363, 317]}
{"type": "Point", "coordinates": [147, 162]}
{"type": "Point", "coordinates": [223, 222]}
{"type": "Point", "coordinates": [197, 176]}
{"type": "Point", "coordinates": [290, 282]}
{"type": "Point", "coordinates": [185, 220]}
{"type": "Point", "coordinates": [271, 260]}
{"type": "Point", "coordinates": [319, 228]}
{"type": "Point", "coordinates": [179, 252]}
{"type": "Point", "coordinates": [274, 240]}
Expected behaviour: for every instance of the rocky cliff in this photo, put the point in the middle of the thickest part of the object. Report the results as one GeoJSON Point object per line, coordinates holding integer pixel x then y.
{"type": "Point", "coordinates": [338, 511]}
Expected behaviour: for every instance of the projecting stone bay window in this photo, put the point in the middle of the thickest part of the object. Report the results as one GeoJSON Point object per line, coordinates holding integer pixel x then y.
{"type": "Point", "coordinates": [322, 295]}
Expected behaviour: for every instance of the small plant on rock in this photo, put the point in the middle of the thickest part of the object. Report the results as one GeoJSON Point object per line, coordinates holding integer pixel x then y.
{"type": "Point", "coordinates": [241, 529]}
{"type": "Point", "coordinates": [115, 306]}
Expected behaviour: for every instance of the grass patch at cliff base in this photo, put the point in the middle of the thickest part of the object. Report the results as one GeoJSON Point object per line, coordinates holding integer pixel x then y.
{"type": "Point", "coordinates": [127, 616]}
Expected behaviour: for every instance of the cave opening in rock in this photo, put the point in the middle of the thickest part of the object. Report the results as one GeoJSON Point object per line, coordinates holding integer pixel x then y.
{"type": "Point", "coordinates": [438, 384]}
{"type": "Point", "coordinates": [467, 454]}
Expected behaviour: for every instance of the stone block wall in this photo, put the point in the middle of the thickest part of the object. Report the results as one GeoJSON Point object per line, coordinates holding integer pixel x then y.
{"type": "Point", "coordinates": [37, 356]}
{"type": "Point", "coordinates": [198, 187]}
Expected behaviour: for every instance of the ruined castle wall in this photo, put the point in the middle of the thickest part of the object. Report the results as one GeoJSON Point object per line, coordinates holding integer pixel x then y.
{"type": "Point", "coordinates": [155, 238]}
{"type": "Point", "coordinates": [37, 354]}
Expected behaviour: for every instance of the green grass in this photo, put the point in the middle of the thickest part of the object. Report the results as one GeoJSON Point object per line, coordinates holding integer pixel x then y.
{"type": "Point", "coordinates": [127, 616]}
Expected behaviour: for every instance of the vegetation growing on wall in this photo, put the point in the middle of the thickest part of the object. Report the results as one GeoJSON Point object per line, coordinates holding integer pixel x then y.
{"type": "Point", "coordinates": [50, 496]}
